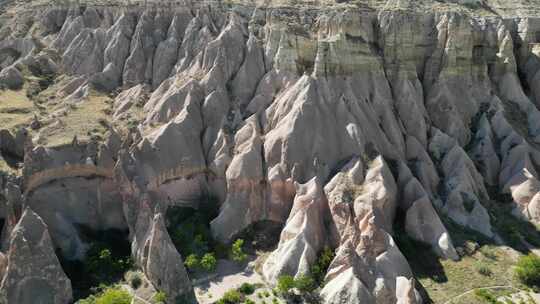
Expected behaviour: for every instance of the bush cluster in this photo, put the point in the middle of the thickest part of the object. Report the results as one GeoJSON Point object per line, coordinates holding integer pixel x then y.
{"type": "Point", "coordinates": [109, 295]}
{"type": "Point", "coordinates": [230, 297]}
{"type": "Point", "coordinates": [247, 288]}
{"type": "Point", "coordinates": [237, 252]}
{"type": "Point", "coordinates": [528, 270]}
{"type": "Point", "coordinates": [304, 284]}
{"type": "Point", "coordinates": [208, 262]}
{"type": "Point", "coordinates": [319, 269]}
{"type": "Point", "coordinates": [103, 266]}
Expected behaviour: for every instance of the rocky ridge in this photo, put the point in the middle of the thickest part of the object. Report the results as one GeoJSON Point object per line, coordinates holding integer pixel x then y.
{"type": "Point", "coordinates": [335, 120]}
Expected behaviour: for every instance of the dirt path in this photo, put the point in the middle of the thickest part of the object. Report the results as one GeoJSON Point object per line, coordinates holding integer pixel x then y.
{"type": "Point", "coordinates": [229, 276]}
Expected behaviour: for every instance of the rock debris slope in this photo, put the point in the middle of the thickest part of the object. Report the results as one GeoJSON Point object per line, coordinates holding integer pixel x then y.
{"type": "Point", "coordinates": [339, 120]}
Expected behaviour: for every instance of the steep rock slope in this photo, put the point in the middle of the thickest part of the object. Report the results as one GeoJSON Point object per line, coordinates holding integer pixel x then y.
{"type": "Point", "coordinates": [337, 119]}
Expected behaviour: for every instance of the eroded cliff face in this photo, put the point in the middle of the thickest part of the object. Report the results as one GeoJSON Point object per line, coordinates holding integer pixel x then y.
{"type": "Point", "coordinates": [329, 118]}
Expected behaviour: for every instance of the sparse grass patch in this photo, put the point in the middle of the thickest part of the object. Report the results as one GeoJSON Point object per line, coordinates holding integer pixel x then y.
{"type": "Point", "coordinates": [84, 120]}
{"type": "Point", "coordinates": [483, 269]}
{"type": "Point", "coordinates": [15, 109]}
{"type": "Point", "coordinates": [486, 296]}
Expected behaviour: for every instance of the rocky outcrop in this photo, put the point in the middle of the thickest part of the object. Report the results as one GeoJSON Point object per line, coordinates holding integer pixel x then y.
{"type": "Point", "coordinates": [303, 236]}
{"type": "Point", "coordinates": [157, 256]}
{"type": "Point", "coordinates": [33, 271]}
{"type": "Point", "coordinates": [11, 78]}
{"type": "Point", "coordinates": [422, 222]}
{"type": "Point", "coordinates": [464, 186]}
{"type": "Point", "coordinates": [381, 111]}
{"type": "Point", "coordinates": [368, 265]}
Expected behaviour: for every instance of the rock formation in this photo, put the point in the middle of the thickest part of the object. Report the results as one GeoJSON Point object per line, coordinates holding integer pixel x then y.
{"type": "Point", "coordinates": [33, 271]}
{"type": "Point", "coordinates": [349, 123]}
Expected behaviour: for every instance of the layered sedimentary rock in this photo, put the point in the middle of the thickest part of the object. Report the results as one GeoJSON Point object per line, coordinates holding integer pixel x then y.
{"type": "Point", "coordinates": [343, 121]}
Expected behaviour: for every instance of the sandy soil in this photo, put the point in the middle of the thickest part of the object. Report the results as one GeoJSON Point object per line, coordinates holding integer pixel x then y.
{"type": "Point", "coordinates": [230, 275]}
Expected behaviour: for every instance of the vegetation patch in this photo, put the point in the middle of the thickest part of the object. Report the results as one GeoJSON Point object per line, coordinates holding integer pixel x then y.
{"type": "Point", "coordinates": [512, 229]}
{"type": "Point", "coordinates": [231, 297]}
{"type": "Point", "coordinates": [487, 266]}
{"type": "Point", "coordinates": [528, 271]}
{"type": "Point", "coordinates": [16, 109]}
{"type": "Point", "coordinates": [320, 268]}
{"type": "Point", "coordinates": [190, 228]}
{"type": "Point", "coordinates": [87, 119]}
{"type": "Point", "coordinates": [108, 295]}
{"type": "Point", "coordinates": [106, 262]}
{"type": "Point", "coordinates": [160, 297]}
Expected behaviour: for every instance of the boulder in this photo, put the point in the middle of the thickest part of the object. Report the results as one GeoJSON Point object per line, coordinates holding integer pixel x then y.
{"type": "Point", "coordinates": [11, 78]}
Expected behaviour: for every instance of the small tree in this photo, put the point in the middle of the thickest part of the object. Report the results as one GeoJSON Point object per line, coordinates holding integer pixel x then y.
{"type": "Point", "coordinates": [192, 262]}
{"type": "Point", "coordinates": [319, 269]}
{"type": "Point", "coordinates": [208, 262]}
{"type": "Point", "coordinates": [528, 270]}
{"type": "Point", "coordinates": [305, 284]}
{"type": "Point", "coordinates": [247, 288]}
{"type": "Point", "coordinates": [237, 251]}
{"type": "Point", "coordinates": [285, 284]}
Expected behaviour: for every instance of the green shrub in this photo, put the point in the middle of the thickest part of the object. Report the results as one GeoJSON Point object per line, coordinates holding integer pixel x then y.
{"type": "Point", "coordinates": [189, 230]}
{"type": "Point", "coordinates": [248, 301]}
{"type": "Point", "coordinates": [135, 280]}
{"type": "Point", "coordinates": [305, 284]}
{"type": "Point", "coordinates": [483, 270]}
{"type": "Point", "coordinates": [528, 270]}
{"type": "Point", "coordinates": [230, 297]}
{"type": "Point", "coordinates": [237, 252]}
{"type": "Point", "coordinates": [109, 295]}
{"type": "Point", "coordinates": [208, 262]}
{"type": "Point", "coordinates": [247, 288]}
{"type": "Point", "coordinates": [114, 296]}
{"type": "Point", "coordinates": [103, 266]}
{"type": "Point", "coordinates": [192, 262]}
{"type": "Point", "coordinates": [160, 297]}
{"type": "Point", "coordinates": [319, 269]}
{"type": "Point", "coordinates": [285, 284]}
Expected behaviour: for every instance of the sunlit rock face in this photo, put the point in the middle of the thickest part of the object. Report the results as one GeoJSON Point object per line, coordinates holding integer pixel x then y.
{"type": "Point", "coordinates": [33, 270]}
{"type": "Point", "coordinates": [341, 121]}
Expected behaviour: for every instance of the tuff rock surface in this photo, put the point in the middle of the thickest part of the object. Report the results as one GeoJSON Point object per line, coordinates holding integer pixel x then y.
{"type": "Point", "coordinates": [344, 122]}
{"type": "Point", "coordinates": [33, 273]}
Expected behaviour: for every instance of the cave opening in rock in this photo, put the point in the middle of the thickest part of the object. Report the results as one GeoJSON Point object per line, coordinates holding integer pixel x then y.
{"type": "Point", "coordinates": [261, 236]}
{"type": "Point", "coordinates": [189, 228]}
{"type": "Point", "coordinates": [108, 258]}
